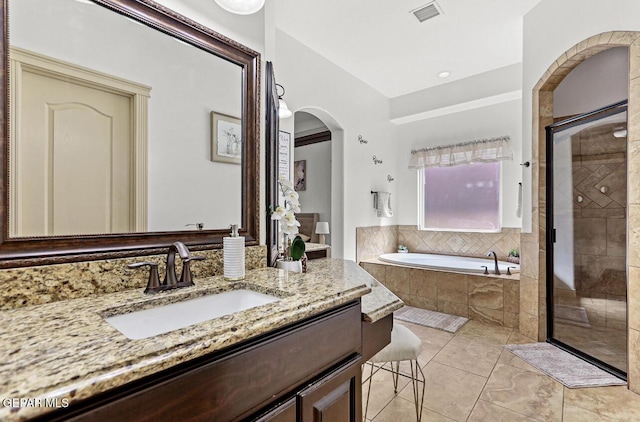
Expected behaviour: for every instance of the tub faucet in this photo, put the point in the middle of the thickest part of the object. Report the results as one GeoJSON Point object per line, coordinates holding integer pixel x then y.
{"type": "Point", "coordinates": [496, 270]}
{"type": "Point", "coordinates": [171, 279]}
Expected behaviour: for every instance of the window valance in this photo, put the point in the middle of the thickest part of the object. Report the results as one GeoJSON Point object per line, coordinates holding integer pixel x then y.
{"type": "Point", "coordinates": [483, 150]}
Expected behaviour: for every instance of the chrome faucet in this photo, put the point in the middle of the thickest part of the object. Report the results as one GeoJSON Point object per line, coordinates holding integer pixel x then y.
{"type": "Point", "coordinates": [171, 279]}
{"type": "Point", "coordinates": [496, 270]}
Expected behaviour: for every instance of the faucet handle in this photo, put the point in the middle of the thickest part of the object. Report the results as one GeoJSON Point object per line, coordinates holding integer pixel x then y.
{"type": "Point", "coordinates": [509, 270]}
{"type": "Point", "coordinates": [153, 285]}
{"type": "Point", "coordinates": [486, 269]}
{"type": "Point", "coordinates": [186, 278]}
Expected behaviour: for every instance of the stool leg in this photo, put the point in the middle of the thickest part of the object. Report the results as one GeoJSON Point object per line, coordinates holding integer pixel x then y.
{"type": "Point", "coordinates": [417, 397]}
{"type": "Point", "coordinates": [395, 373]}
{"type": "Point", "coordinates": [366, 408]}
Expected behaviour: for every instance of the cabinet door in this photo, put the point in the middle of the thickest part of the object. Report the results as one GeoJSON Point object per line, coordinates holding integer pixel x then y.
{"type": "Point", "coordinates": [336, 397]}
{"type": "Point", "coordinates": [285, 412]}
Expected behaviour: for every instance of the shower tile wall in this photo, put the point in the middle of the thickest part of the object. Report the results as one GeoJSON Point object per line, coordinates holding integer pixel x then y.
{"type": "Point", "coordinates": [599, 218]}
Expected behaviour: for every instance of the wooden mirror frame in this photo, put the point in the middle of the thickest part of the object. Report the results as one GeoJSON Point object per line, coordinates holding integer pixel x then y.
{"type": "Point", "coordinates": [30, 251]}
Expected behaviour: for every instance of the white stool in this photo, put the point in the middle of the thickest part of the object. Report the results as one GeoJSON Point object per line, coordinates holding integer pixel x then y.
{"type": "Point", "coordinates": [404, 346]}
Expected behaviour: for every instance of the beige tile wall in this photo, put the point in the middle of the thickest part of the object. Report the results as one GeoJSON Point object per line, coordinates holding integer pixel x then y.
{"type": "Point", "coordinates": [600, 225]}
{"type": "Point", "coordinates": [533, 275]}
{"type": "Point", "coordinates": [374, 241]}
{"type": "Point", "coordinates": [460, 243]}
{"type": "Point", "coordinates": [489, 299]}
{"type": "Point", "coordinates": [50, 283]}
{"type": "Point", "coordinates": [371, 242]}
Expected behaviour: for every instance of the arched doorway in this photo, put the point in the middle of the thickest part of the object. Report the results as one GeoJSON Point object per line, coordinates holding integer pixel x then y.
{"type": "Point", "coordinates": [336, 178]}
{"type": "Point", "coordinates": [533, 292]}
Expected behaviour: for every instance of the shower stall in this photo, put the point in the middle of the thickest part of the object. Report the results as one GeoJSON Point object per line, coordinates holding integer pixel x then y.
{"type": "Point", "coordinates": [586, 236]}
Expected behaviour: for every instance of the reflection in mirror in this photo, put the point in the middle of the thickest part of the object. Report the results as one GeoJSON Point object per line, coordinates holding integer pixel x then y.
{"type": "Point", "coordinates": [117, 127]}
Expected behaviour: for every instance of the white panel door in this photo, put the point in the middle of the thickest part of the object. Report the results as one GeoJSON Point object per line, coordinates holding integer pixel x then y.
{"type": "Point", "coordinates": [74, 155]}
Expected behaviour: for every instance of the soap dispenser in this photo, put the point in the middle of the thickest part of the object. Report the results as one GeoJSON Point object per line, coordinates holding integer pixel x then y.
{"type": "Point", "coordinates": [233, 255]}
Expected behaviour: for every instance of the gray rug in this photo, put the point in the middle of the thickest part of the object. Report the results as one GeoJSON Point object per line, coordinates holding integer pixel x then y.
{"type": "Point", "coordinates": [562, 366]}
{"type": "Point", "coordinates": [572, 315]}
{"type": "Point", "coordinates": [446, 322]}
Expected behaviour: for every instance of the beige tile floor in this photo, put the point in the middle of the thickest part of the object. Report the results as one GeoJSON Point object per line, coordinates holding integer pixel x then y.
{"type": "Point", "coordinates": [470, 377]}
{"type": "Point", "coordinates": [606, 336]}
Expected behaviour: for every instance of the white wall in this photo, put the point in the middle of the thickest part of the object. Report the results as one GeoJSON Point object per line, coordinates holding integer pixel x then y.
{"type": "Point", "coordinates": [599, 81]}
{"type": "Point", "coordinates": [317, 196]}
{"type": "Point", "coordinates": [350, 108]}
{"type": "Point", "coordinates": [550, 29]}
{"type": "Point", "coordinates": [485, 122]}
{"type": "Point", "coordinates": [184, 184]}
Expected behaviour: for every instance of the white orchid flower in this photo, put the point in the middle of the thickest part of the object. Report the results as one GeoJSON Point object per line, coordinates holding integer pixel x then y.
{"type": "Point", "coordinates": [293, 196]}
{"type": "Point", "coordinates": [286, 184]}
{"type": "Point", "coordinates": [290, 230]}
{"type": "Point", "coordinates": [286, 214]}
{"type": "Point", "coordinates": [290, 220]}
{"type": "Point", "coordinates": [278, 213]}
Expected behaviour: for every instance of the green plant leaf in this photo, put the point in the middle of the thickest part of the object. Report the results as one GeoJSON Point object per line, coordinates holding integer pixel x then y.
{"type": "Point", "coordinates": [297, 248]}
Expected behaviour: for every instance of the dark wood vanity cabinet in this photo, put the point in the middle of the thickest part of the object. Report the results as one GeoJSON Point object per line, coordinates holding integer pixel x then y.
{"type": "Point", "coordinates": [333, 397]}
{"type": "Point", "coordinates": [308, 371]}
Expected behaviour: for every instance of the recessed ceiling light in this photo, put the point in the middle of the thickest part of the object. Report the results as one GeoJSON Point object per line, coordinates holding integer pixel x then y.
{"type": "Point", "coordinates": [85, 2]}
{"type": "Point", "coordinates": [444, 74]}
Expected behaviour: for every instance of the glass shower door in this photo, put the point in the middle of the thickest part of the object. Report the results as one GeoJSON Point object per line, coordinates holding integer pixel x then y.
{"type": "Point", "coordinates": [586, 236]}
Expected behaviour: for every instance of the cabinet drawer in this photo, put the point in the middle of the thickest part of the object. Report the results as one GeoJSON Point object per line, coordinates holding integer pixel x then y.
{"type": "Point", "coordinates": [336, 397]}
{"type": "Point", "coordinates": [243, 379]}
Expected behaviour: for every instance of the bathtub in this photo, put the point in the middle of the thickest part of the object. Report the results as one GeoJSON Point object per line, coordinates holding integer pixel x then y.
{"type": "Point", "coordinates": [447, 263]}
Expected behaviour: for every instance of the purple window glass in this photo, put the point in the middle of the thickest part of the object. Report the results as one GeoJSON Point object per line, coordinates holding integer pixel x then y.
{"type": "Point", "coordinates": [461, 198]}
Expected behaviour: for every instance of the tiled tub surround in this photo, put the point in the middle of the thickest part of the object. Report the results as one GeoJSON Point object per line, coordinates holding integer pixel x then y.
{"type": "Point", "coordinates": [66, 350]}
{"type": "Point", "coordinates": [50, 283]}
{"type": "Point", "coordinates": [487, 298]}
{"type": "Point", "coordinates": [372, 242]}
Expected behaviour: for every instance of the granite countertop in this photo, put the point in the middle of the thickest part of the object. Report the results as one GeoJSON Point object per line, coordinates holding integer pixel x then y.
{"type": "Point", "coordinates": [66, 351]}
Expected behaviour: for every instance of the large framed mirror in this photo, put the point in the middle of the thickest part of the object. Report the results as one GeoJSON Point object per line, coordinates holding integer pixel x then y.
{"type": "Point", "coordinates": [125, 127]}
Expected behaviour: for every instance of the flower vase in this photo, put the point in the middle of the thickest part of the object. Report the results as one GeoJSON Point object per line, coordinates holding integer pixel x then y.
{"type": "Point", "coordinates": [295, 266]}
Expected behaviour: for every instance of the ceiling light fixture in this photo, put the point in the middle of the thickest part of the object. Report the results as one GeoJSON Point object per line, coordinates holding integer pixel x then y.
{"type": "Point", "coordinates": [241, 7]}
{"type": "Point", "coordinates": [283, 110]}
{"type": "Point", "coordinates": [444, 74]}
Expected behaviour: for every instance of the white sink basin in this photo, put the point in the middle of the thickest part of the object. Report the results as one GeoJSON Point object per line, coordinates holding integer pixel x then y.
{"type": "Point", "coordinates": [165, 318]}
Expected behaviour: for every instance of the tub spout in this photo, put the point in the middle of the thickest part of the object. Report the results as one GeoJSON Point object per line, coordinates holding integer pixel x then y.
{"type": "Point", "coordinates": [496, 270]}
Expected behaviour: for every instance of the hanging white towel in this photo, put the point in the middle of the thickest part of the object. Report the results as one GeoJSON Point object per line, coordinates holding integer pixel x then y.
{"type": "Point", "coordinates": [382, 204]}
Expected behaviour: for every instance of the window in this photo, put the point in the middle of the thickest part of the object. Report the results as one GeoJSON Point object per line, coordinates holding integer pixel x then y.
{"type": "Point", "coordinates": [460, 198]}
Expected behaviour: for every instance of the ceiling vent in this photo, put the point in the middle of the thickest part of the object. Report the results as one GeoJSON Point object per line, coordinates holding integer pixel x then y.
{"type": "Point", "coordinates": [427, 11]}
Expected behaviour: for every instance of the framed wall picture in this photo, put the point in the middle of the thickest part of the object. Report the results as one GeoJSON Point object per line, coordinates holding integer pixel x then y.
{"type": "Point", "coordinates": [226, 138]}
{"type": "Point", "coordinates": [284, 160]}
{"type": "Point", "coordinates": [300, 175]}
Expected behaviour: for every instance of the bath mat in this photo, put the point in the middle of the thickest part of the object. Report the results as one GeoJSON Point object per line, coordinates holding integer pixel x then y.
{"type": "Point", "coordinates": [562, 366]}
{"type": "Point", "coordinates": [573, 315]}
{"type": "Point", "coordinates": [446, 322]}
